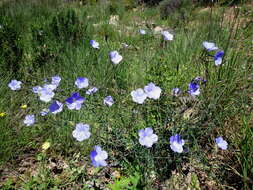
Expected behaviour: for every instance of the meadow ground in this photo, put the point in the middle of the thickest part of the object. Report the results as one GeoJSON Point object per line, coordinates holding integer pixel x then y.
{"type": "Point", "coordinates": [42, 39]}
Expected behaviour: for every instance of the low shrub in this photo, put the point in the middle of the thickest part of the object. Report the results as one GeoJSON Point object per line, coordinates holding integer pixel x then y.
{"type": "Point", "coordinates": [26, 45]}
{"type": "Point", "coordinates": [180, 9]}
{"type": "Point", "coordinates": [150, 2]}
{"type": "Point", "coordinates": [222, 2]}
{"type": "Point", "coordinates": [168, 7]}
{"type": "Point", "coordinates": [11, 46]}
{"type": "Point", "coordinates": [66, 26]}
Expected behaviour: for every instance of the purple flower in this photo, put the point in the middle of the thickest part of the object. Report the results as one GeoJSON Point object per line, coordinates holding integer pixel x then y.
{"type": "Point", "coordinates": [36, 89]}
{"type": "Point", "coordinates": [194, 89]}
{"type": "Point", "coordinates": [81, 132]}
{"type": "Point", "coordinates": [167, 36]}
{"type": "Point", "coordinates": [199, 79]}
{"type": "Point", "coordinates": [139, 96]}
{"type": "Point", "coordinates": [142, 32]}
{"type": "Point", "coordinates": [92, 90]}
{"type": "Point", "coordinates": [108, 100]}
{"type": "Point", "coordinates": [15, 85]}
{"type": "Point", "coordinates": [75, 101]}
{"type": "Point", "coordinates": [82, 82]}
{"type": "Point", "coordinates": [125, 45]}
{"type": "Point", "coordinates": [51, 87]}
{"type": "Point", "coordinates": [209, 46]}
{"type": "Point", "coordinates": [115, 57]}
{"type": "Point", "coordinates": [44, 112]}
{"type": "Point", "coordinates": [56, 107]}
{"type": "Point", "coordinates": [29, 120]}
{"type": "Point", "coordinates": [56, 80]}
{"type": "Point", "coordinates": [221, 143]}
{"type": "Point", "coordinates": [176, 143]}
{"type": "Point", "coordinates": [176, 91]}
{"type": "Point", "coordinates": [98, 157]}
{"type": "Point", "coordinates": [46, 93]}
{"type": "Point", "coordinates": [147, 137]}
{"type": "Point", "coordinates": [218, 58]}
{"type": "Point", "coordinates": [152, 91]}
{"type": "Point", "coordinates": [94, 44]}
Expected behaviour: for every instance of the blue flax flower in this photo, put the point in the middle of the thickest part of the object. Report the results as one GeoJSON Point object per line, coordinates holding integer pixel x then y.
{"type": "Point", "coordinates": [51, 87]}
{"type": "Point", "coordinates": [46, 93]}
{"type": "Point", "coordinates": [147, 137]}
{"type": "Point", "coordinates": [218, 58]}
{"type": "Point", "coordinates": [82, 82]}
{"type": "Point", "coordinates": [92, 90]}
{"type": "Point", "coordinates": [94, 44]}
{"type": "Point", "coordinates": [36, 89]}
{"type": "Point", "coordinates": [75, 101]}
{"type": "Point", "coordinates": [209, 46]}
{"type": "Point", "coordinates": [139, 96]}
{"type": "Point", "coordinates": [115, 57]}
{"type": "Point", "coordinates": [152, 91]}
{"type": "Point", "coordinates": [194, 89]}
{"type": "Point", "coordinates": [142, 32]}
{"type": "Point", "coordinates": [81, 132]}
{"type": "Point", "coordinates": [199, 80]}
{"type": "Point", "coordinates": [98, 157]}
{"type": "Point", "coordinates": [44, 112]}
{"type": "Point", "coordinates": [176, 91]}
{"type": "Point", "coordinates": [56, 107]}
{"type": "Point", "coordinates": [15, 85]}
{"type": "Point", "coordinates": [29, 120]}
{"type": "Point", "coordinates": [176, 143]}
{"type": "Point", "coordinates": [56, 80]}
{"type": "Point", "coordinates": [108, 100]}
{"type": "Point", "coordinates": [221, 143]}
{"type": "Point", "coordinates": [167, 36]}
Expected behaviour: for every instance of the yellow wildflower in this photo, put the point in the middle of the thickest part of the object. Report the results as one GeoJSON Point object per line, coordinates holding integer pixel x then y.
{"type": "Point", "coordinates": [46, 145]}
{"type": "Point", "coordinates": [2, 114]}
{"type": "Point", "coordinates": [24, 106]}
{"type": "Point", "coordinates": [116, 174]}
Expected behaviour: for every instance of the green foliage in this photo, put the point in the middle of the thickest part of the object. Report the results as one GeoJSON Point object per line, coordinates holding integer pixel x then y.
{"type": "Point", "coordinates": [49, 39]}
{"type": "Point", "coordinates": [9, 184]}
{"type": "Point", "coordinates": [150, 2]}
{"type": "Point", "coordinates": [11, 46]}
{"type": "Point", "coordinates": [176, 11]}
{"type": "Point", "coordinates": [130, 3]}
{"type": "Point", "coordinates": [223, 2]}
{"type": "Point", "coordinates": [67, 27]}
{"type": "Point", "coordinates": [27, 46]}
{"type": "Point", "coordinates": [167, 7]}
{"type": "Point", "coordinates": [43, 180]}
{"type": "Point", "coordinates": [245, 157]}
{"type": "Point", "coordinates": [130, 183]}
{"type": "Point", "coordinates": [45, 49]}
{"type": "Point", "coordinates": [116, 7]}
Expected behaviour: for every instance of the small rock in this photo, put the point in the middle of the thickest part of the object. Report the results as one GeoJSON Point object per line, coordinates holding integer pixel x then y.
{"type": "Point", "coordinates": [114, 19]}
{"type": "Point", "coordinates": [158, 29]}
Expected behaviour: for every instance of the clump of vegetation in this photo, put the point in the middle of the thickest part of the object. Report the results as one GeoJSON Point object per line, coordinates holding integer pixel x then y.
{"type": "Point", "coordinates": [168, 7]}
{"type": "Point", "coordinates": [11, 46]}
{"type": "Point", "coordinates": [222, 2]}
{"type": "Point", "coordinates": [27, 46]}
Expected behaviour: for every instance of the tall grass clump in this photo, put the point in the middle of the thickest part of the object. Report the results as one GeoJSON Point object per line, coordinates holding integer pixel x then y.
{"type": "Point", "coordinates": [33, 39]}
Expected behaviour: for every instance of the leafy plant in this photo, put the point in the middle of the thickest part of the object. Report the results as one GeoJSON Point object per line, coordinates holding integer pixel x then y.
{"type": "Point", "coordinates": [11, 46]}
{"type": "Point", "coordinates": [66, 26]}
{"type": "Point", "coordinates": [130, 183]}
